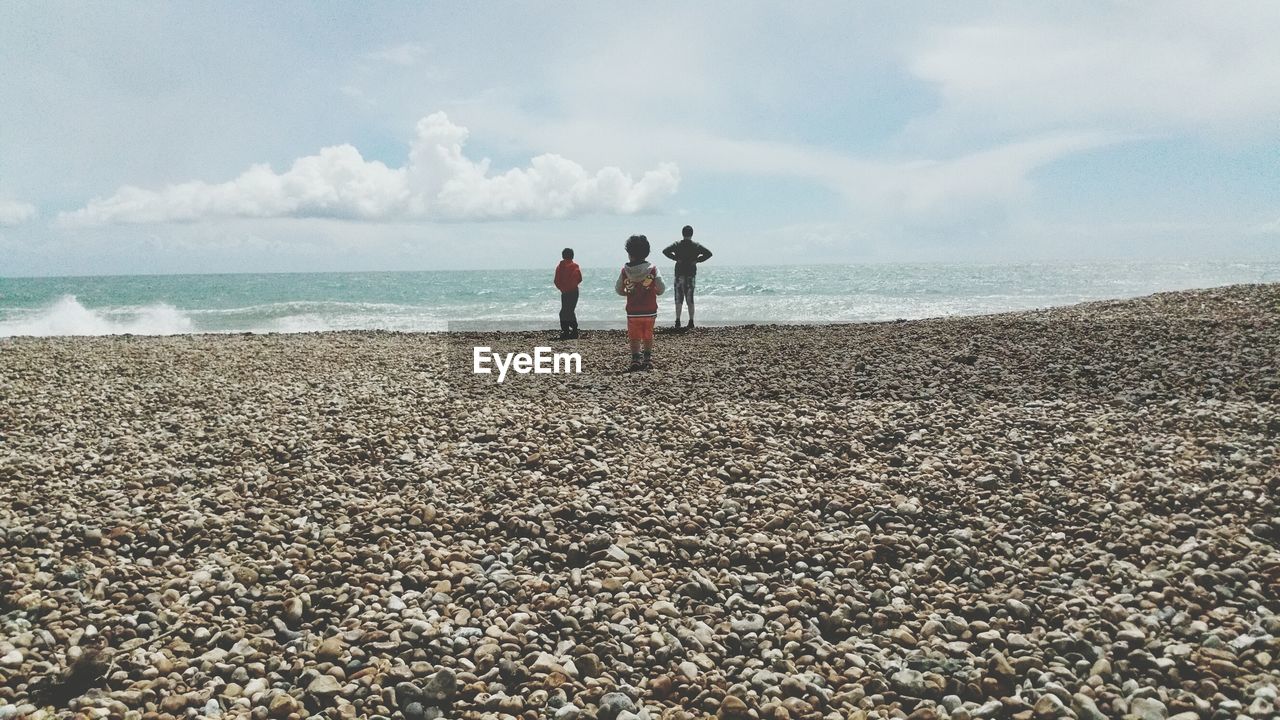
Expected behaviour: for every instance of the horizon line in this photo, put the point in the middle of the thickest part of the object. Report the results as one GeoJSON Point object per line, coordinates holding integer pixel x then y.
{"type": "Point", "coordinates": [918, 263]}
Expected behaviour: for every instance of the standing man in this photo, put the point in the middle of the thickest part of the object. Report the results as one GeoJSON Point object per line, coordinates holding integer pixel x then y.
{"type": "Point", "coordinates": [687, 255]}
{"type": "Point", "coordinates": [568, 278]}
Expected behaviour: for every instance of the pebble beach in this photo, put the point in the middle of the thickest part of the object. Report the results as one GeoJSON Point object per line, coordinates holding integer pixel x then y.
{"type": "Point", "coordinates": [1065, 513]}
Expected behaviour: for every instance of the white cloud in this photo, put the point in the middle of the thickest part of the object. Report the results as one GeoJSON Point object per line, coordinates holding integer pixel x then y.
{"type": "Point", "coordinates": [358, 95]}
{"type": "Point", "coordinates": [405, 54]}
{"type": "Point", "coordinates": [1137, 68]}
{"type": "Point", "coordinates": [439, 182]}
{"type": "Point", "coordinates": [909, 188]}
{"type": "Point", "coordinates": [946, 188]}
{"type": "Point", "coordinates": [1266, 228]}
{"type": "Point", "coordinates": [13, 212]}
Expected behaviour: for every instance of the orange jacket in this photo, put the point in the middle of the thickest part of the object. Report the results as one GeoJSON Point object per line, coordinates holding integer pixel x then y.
{"type": "Point", "coordinates": [568, 276]}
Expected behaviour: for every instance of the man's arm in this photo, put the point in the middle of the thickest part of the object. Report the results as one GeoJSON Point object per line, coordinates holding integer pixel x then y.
{"type": "Point", "coordinates": [577, 276]}
{"type": "Point", "coordinates": [670, 251]}
{"type": "Point", "coordinates": [703, 253]}
{"type": "Point", "coordinates": [622, 279]}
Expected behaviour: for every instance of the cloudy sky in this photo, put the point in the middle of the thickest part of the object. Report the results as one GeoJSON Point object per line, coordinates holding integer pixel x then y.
{"type": "Point", "coordinates": [229, 137]}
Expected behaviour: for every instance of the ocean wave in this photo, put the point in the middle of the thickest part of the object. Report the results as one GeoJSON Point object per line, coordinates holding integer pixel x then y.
{"type": "Point", "coordinates": [311, 322]}
{"type": "Point", "coordinates": [277, 309]}
{"type": "Point", "coordinates": [67, 316]}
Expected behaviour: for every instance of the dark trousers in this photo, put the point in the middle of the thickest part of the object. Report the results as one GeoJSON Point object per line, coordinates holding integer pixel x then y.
{"type": "Point", "coordinates": [568, 311]}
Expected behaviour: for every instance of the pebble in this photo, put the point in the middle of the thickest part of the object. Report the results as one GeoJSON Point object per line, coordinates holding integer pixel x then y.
{"type": "Point", "coordinates": [324, 686]}
{"type": "Point", "coordinates": [330, 650]}
{"type": "Point", "coordinates": [733, 707]}
{"type": "Point", "coordinates": [611, 704]}
{"type": "Point", "coordinates": [440, 686]}
{"type": "Point", "coordinates": [293, 612]}
{"type": "Point", "coordinates": [1148, 709]}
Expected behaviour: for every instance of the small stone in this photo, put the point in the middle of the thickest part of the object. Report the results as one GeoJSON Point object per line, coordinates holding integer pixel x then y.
{"type": "Point", "coordinates": [245, 575]}
{"type": "Point", "coordinates": [568, 712]}
{"type": "Point", "coordinates": [13, 658]}
{"type": "Point", "coordinates": [1148, 709]}
{"type": "Point", "coordinates": [441, 686]}
{"type": "Point", "coordinates": [589, 665]}
{"type": "Point", "coordinates": [1085, 708]}
{"type": "Point", "coordinates": [324, 686]}
{"type": "Point", "coordinates": [1131, 636]}
{"type": "Point", "coordinates": [283, 705]}
{"type": "Point", "coordinates": [733, 707]}
{"type": "Point", "coordinates": [660, 687]}
{"type": "Point", "coordinates": [545, 663]}
{"type": "Point", "coordinates": [612, 704]}
{"type": "Point", "coordinates": [330, 650]}
{"type": "Point", "coordinates": [910, 682]}
{"type": "Point", "coordinates": [1000, 668]}
{"type": "Point", "coordinates": [665, 608]}
{"type": "Point", "coordinates": [903, 637]}
{"type": "Point", "coordinates": [1018, 609]}
{"type": "Point", "coordinates": [174, 703]}
{"type": "Point", "coordinates": [1049, 706]}
{"type": "Point", "coordinates": [293, 612]}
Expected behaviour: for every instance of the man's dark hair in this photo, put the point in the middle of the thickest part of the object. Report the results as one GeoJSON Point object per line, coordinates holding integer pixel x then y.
{"type": "Point", "coordinates": [567, 253]}
{"type": "Point", "coordinates": [687, 231]}
{"type": "Point", "coordinates": [638, 246]}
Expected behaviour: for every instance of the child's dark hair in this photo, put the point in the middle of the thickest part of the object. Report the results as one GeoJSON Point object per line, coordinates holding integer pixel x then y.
{"type": "Point", "coordinates": [567, 253]}
{"type": "Point", "coordinates": [687, 231]}
{"type": "Point", "coordinates": [638, 247]}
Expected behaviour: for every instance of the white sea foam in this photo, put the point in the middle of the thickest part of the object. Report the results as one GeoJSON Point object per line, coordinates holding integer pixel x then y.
{"type": "Point", "coordinates": [67, 316]}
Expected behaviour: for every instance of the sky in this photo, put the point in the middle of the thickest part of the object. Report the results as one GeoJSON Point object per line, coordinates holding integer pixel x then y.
{"type": "Point", "coordinates": [148, 137]}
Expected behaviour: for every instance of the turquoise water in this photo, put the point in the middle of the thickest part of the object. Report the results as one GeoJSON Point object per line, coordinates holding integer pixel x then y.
{"type": "Point", "coordinates": [424, 301]}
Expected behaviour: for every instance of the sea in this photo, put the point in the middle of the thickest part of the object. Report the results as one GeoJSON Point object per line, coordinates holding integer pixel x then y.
{"type": "Point", "coordinates": [526, 299]}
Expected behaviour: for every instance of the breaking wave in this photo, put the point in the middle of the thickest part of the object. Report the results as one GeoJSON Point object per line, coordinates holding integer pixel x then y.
{"type": "Point", "coordinates": [67, 316]}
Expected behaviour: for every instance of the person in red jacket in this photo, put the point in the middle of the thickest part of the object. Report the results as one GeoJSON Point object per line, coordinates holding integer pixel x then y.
{"type": "Point", "coordinates": [568, 278]}
{"type": "Point", "coordinates": [640, 283]}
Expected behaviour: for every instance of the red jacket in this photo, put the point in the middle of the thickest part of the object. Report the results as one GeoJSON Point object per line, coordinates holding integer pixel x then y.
{"type": "Point", "coordinates": [568, 276]}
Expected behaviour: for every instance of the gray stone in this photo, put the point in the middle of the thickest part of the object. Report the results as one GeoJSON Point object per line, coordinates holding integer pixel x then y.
{"type": "Point", "coordinates": [1049, 706]}
{"type": "Point", "coordinates": [568, 712]}
{"type": "Point", "coordinates": [1018, 608]}
{"type": "Point", "coordinates": [324, 686]}
{"type": "Point", "coordinates": [612, 704]}
{"type": "Point", "coordinates": [1148, 709]}
{"type": "Point", "coordinates": [1085, 708]}
{"type": "Point", "coordinates": [910, 682]}
{"type": "Point", "coordinates": [441, 686]}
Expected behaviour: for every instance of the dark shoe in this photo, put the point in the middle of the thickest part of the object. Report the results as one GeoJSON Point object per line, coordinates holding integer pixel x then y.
{"type": "Point", "coordinates": [636, 367]}
{"type": "Point", "coordinates": [574, 334]}
{"type": "Point", "coordinates": [647, 365]}
{"type": "Point", "coordinates": [689, 326]}
{"type": "Point", "coordinates": [677, 324]}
